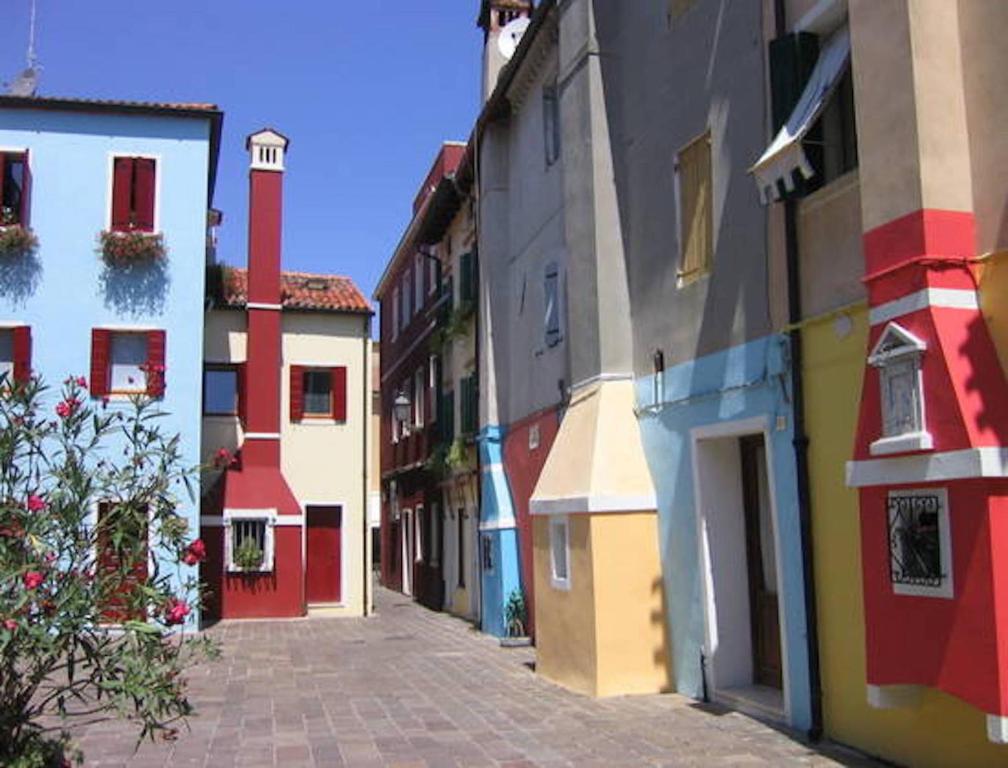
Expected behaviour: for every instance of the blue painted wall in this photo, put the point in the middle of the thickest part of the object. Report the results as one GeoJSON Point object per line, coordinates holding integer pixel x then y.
{"type": "Point", "coordinates": [66, 290]}
{"type": "Point", "coordinates": [740, 383]}
{"type": "Point", "coordinates": [497, 521]}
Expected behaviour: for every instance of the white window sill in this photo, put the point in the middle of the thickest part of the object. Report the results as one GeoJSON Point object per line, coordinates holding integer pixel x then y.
{"type": "Point", "coordinates": [562, 584]}
{"type": "Point", "coordinates": [310, 421]}
{"type": "Point", "coordinates": [912, 441]}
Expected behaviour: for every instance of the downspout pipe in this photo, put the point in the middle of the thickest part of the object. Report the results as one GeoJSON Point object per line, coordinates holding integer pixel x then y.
{"type": "Point", "coordinates": [801, 441]}
{"type": "Point", "coordinates": [366, 559]}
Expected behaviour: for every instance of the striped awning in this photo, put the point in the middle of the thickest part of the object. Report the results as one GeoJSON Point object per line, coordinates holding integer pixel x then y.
{"type": "Point", "coordinates": [785, 154]}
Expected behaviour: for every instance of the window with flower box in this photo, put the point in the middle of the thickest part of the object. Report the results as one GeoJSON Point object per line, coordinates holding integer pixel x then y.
{"type": "Point", "coordinates": [248, 540]}
{"type": "Point", "coordinates": [127, 362]}
{"type": "Point", "coordinates": [14, 188]}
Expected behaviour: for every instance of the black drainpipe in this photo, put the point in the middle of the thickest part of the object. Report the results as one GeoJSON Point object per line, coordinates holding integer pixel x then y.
{"type": "Point", "coordinates": [801, 440]}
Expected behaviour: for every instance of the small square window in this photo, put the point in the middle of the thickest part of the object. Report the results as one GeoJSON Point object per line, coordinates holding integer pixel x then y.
{"type": "Point", "coordinates": [248, 541]}
{"type": "Point", "coordinates": [220, 390]}
{"type": "Point", "coordinates": [920, 547]}
{"type": "Point", "coordinates": [559, 553]}
{"type": "Point", "coordinates": [487, 546]}
{"type": "Point", "coordinates": [127, 360]}
{"type": "Point", "coordinates": [318, 393]}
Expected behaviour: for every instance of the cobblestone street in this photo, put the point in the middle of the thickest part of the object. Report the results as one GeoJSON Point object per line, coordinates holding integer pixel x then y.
{"type": "Point", "coordinates": [409, 687]}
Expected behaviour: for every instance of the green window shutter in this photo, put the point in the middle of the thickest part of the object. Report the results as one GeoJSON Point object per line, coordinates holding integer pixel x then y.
{"type": "Point", "coordinates": [466, 277]}
{"type": "Point", "coordinates": [448, 417]}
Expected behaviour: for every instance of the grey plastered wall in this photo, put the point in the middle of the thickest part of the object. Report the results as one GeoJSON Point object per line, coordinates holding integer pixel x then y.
{"type": "Point", "coordinates": [521, 231]}
{"type": "Point", "coordinates": [665, 84]}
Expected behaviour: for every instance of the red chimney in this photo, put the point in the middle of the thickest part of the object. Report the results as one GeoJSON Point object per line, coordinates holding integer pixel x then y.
{"type": "Point", "coordinates": [263, 360]}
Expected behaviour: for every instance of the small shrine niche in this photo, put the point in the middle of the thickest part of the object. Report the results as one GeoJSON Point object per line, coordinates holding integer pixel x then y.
{"type": "Point", "coordinates": [897, 356]}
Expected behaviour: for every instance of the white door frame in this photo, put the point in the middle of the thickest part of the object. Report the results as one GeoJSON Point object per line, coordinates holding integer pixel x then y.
{"type": "Point", "coordinates": [406, 537]}
{"type": "Point", "coordinates": [757, 425]}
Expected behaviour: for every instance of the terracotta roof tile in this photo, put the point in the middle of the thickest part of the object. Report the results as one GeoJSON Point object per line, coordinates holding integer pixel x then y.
{"type": "Point", "coordinates": [300, 290]}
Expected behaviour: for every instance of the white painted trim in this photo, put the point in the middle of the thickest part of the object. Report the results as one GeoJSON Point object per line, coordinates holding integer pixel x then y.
{"type": "Point", "coordinates": [946, 298]}
{"type": "Point", "coordinates": [263, 305]}
{"type": "Point", "coordinates": [737, 429]}
{"type": "Point", "coordinates": [599, 378]}
{"type": "Point", "coordinates": [911, 345]}
{"type": "Point", "coordinates": [288, 521]}
{"type": "Point", "coordinates": [128, 328]}
{"type": "Point", "coordinates": [12, 324]}
{"type": "Point", "coordinates": [158, 169]}
{"type": "Point", "coordinates": [596, 503]}
{"type": "Point", "coordinates": [15, 150]}
{"type": "Point", "coordinates": [893, 696]}
{"type": "Point", "coordinates": [912, 441]}
{"type": "Point", "coordinates": [262, 435]}
{"type": "Point", "coordinates": [988, 461]}
{"type": "Point", "coordinates": [495, 466]}
{"type": "Point", "coordinates": [558, 582]}
{"type": "Point", "coordinates": [499, 525]}
{"type": "Point", "coordinates": [997, 729]}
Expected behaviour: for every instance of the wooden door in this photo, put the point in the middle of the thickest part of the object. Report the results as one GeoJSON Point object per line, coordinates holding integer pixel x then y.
{"type": "Point", "coordinates": [323, 554]}
{"type": "Point", "coordinates": [761, 564]}
{"type": "Point", "coordinates": [122, 555]}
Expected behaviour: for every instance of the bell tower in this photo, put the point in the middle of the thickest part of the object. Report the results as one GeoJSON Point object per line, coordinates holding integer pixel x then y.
{"type": "Point", "coordinates": [494, 16]}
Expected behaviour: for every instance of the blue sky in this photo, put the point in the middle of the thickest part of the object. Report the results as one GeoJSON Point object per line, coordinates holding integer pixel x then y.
{"type": "Point", "coordinates": [366, 91]}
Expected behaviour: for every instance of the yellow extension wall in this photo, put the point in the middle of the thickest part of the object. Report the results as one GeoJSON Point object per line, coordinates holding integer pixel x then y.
{"type": "Point", "coordinates": [942, 731]}
{"type": "Point", "coordinates": [607, 635]}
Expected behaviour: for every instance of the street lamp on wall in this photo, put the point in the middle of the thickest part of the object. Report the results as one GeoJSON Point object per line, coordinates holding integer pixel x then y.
{"type": "Point", "coordinates": [401, 408]}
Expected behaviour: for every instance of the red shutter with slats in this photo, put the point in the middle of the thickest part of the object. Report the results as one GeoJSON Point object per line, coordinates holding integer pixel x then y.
{"type": "Point", "coordinates": [26, 193]}
{"type": "Point", "coordinates": [122, 192]}
{"type": "Point", "coordinates": [22, 353]}
{"type": "Point", "coordinates": [155, 363]}
{"type": "Point", "coordinates": [339, 393]}
{"type": "Point", "coordinates": [143, 193]}
{"type": "Point", "coordinates": [297, 392]}
{"type": "Point", "coordinates": [101, 342]}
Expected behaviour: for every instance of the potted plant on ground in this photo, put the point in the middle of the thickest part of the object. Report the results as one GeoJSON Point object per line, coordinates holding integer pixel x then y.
{"type": "Point", "coordinates": [516, 616]}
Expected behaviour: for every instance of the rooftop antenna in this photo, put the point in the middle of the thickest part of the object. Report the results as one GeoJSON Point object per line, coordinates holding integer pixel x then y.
{"type": "Point", "coordinates": [26, 84]}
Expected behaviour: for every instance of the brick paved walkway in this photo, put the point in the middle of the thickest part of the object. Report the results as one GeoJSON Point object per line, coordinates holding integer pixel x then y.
{"type": "Point", "coordinates": [412, 688]}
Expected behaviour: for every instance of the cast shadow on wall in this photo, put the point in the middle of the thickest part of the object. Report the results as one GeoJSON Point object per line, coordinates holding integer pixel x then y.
{"type": "Point", "coordinates": [135, 290]}
{"type": "Point", "coordinates": [20, 277]}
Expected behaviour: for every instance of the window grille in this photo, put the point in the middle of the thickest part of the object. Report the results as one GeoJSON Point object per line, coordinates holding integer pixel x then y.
{"type": "Point", "coordinates": [918, 539]}
{"type": "Point", "coordinates": [245, 531]}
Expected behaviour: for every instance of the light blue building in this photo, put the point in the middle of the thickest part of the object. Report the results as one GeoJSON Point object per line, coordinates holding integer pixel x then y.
{"type": "Point", "coordinates": [74, 169]}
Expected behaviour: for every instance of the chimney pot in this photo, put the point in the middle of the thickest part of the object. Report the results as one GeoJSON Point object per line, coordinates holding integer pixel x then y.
{"type": "Point", "coordinates": [266, 150]}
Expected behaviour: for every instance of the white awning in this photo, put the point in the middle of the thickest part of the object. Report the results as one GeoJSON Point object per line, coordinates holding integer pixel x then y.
{"type": "Point", "coordinates": [785, 155]}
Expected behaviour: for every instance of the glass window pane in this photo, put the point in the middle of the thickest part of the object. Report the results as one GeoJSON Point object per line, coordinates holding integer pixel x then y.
{"type": "Point", "coordinates": [318, 392]}
{"type": "Point", "coordinates": [7, 354]}
{"type": "Point", "coordinates": [220, 391]}
{"type": "Point", "coordinates": [129, 352]}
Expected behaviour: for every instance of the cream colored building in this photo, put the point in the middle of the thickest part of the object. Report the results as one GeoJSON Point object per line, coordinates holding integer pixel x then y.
{"type": "Point", "coordinates": [327, 458]}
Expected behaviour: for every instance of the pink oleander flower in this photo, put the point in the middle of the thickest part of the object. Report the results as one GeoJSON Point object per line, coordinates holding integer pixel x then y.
{"type": "Point", "coordinates": [195, 553]}
{"type": "Point", "coordinates": [175, 611]}
{"type": "Point", "coordinates": [50, 558]}
{"type": "Point", "coordinates": [33, 579]}
{"type": "Point", "coordinates": [81, 381]}
{"type": "Point", "coordinates": [223, 458]}
{"type": "Point", "coordinates": [66, 408]}
{"type": "Point", "coordinates": [36, 503]}
{"type": "Point", "coordinates": [10, 624]}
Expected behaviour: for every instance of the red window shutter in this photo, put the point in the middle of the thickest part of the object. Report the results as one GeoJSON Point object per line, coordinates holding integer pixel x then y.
{"type": "Point", "coordinates": [339, 393]}
{"type": "Point", "coordinates": [155, 363]}
{"type": "Point", "coordinates": [122, 192]}
{"type": "Point", "coordinates": [143, 193]}
{"type": "Point", "coordinates": [22, 353]}
{"type": "Point", "coordinates": [26, 193]}
{"type": "Point", "coordinates": [101, 342]}
{"type": "Point", "coordinates": [297, 392]}
{"type": "Point", "coordinates": [240, 384]}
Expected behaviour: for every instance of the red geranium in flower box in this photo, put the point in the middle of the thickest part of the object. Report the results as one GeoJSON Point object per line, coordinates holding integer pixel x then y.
{"type": "Point", "coordinates": [130, 248]}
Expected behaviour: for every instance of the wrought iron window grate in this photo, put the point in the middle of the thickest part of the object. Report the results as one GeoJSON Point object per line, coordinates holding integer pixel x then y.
{"type": "Point", "coordinates": [915, 540]}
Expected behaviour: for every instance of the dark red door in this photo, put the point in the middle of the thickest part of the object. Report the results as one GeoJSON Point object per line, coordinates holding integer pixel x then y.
{"type": "Point", "coordinates": [322, 574]}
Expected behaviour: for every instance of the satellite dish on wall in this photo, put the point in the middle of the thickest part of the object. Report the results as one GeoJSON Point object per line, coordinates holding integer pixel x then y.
{"type": "Point", "coordinates": [24, 84]}
{"type": "Point", "coordinates": [511, 35]}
